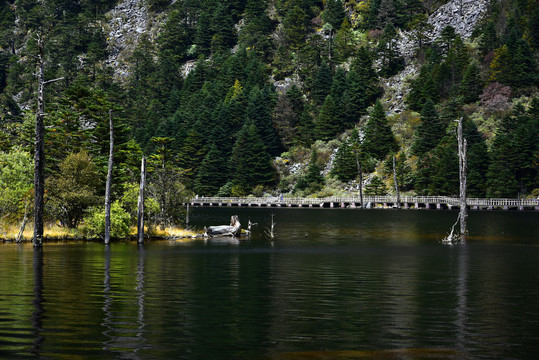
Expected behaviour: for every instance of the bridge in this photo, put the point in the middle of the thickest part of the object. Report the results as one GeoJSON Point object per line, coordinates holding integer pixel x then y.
{"type": "Point", "coordinates": [405, 202]}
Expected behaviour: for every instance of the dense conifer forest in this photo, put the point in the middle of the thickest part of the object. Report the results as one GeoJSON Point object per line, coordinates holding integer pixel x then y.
{"type": "Point", "coordinates": [241, 97]}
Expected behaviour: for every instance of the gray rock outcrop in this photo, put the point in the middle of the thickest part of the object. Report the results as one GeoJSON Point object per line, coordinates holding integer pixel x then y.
{"type": "Point", "coordinates": [126, 23]}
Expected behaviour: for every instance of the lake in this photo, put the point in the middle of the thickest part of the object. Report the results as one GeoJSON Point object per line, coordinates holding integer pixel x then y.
{"type": "Point", "coordinates": [334, 284]}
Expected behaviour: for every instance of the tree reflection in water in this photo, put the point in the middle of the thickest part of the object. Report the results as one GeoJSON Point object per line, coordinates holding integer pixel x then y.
{"type": "Point", "coordinates": [125, 332]}
{"type": "Point", "coordinates": [37, 314]}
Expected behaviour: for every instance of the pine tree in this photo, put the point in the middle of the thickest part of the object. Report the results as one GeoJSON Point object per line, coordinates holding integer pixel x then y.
{"type": "Point", "coordinates": [334, 13]}
{"type": "Point", "coordinates": [250, 163]}
{"type": "Point", "coordinates": [477, 159]}
{"type": "Point", "coordinates": [306, 127]}
{"type": "Point", "coordinates": [328, 123]}
{"type": "Point", "coordinates": [344, 43]}
{"type": "Point", "coordinates": [419, 28]}
{"type": "Point", "coordinates": [175, 35]}
{"type": "Point", "coordinates": [471, 85]}
{"type": "Point", "coordinates": [524, 65]}
{"type": "Point", "coordinates": [489, 39]}
{"type": "Point", "coordinates": [203, 33]}
{"type": "Point", "coordinates": [212, 173]}
{"type": "Point", "coordinates": [362, 64]}
{"type": "Point", "coordinates": [357, 97]}
{"type": "Point", "coordinates": [372, 17]}
{"type": "Point", "coordinates": [223, 29]}
{"type": "Point", "coordinates": [322, 83]}
{"type": "Point", "coordinates": [191, 155]}
{"type": "Point", "coordinates": [314, 177]}
{"type": "Point", "coordinates": [388, 51]}
{"type": "Point", "coordinates": [376, 187]}
{"type": "Point", "coordinates": [430, 131]}
{"type": "Point", "coordinates": [259, 113]}
{"type": "Point", "coordinates": [295, 27]}
{"type": "Point", "coordinates": [386, 13]}
{"type": "Point", "coordinates": [379, 139]}
{"type": "Point", "coordinates": [344, 166]}
{"type": "Point", "coordinates": [285, 120]}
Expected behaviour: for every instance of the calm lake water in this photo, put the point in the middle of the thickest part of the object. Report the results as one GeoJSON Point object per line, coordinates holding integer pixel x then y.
{"type": "Point", "coordinates": [335, 284]}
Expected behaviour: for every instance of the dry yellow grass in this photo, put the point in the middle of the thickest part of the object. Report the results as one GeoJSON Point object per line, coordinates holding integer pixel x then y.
{"type": "Point", "coordinates": [170, 232]}
{"type": "Point", "coordinates": [9, 232]}
{"type": "Point", "coordinates": [51, 231]}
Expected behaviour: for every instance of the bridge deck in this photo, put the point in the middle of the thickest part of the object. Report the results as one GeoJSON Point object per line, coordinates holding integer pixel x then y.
{"type": "Point", "coordinates": [428, 202]}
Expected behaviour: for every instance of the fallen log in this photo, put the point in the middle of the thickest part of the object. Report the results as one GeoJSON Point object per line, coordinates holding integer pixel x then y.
{"type": "Point", "coordinates": [234, 229]}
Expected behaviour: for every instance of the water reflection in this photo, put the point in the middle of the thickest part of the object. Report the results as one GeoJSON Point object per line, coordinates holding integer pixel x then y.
{"type": "Point", "coordinates": [124, 330]}
{"type": "Point", "coordinates": [462, 296]}
{"type": "Point", "coordinates": [38, 300]}
{"type": "Point", "coordinates": [340, 293]}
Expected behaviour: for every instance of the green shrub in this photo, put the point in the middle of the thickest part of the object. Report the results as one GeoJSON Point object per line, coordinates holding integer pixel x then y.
{"type": "Point", "coordinates": [94, 222]}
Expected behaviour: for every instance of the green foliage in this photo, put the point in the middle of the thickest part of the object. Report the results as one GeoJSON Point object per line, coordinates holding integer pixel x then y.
{"type": "Point", "coordinates": [334, 13]}
{"type": "Point", "coordinates": [94, 222]}
{"type": "Point", "coordinates": [190, 156]}
{"type": "Point", "coordinates": [344, 166]}
{"type": "Point", "coordinates": [313, 181]}
{"type": "Point", "coordinates": [322, 84]}
{"type": "Point", "coordinates": [295, 26]}
{"type": "Point", "coordinates": [388, 51]}
{"type": "Point", "coordinates": [16, 182]}
{"type": "Point", "coordinates": [376, 187]}
{"type": "Point", "coordinates": [471, 85]}
{"type": "Point", "coordinates": [250, 163]}
{"type": "Point", "coordinates": [207, 75]}
{"type": "Point", "coordinates": [328, 123]}
{"type": "Point", "coordinates": [430, 131]}
{"type": "Point", "coordinates": [513, 167]}
{"type": "Point", "coordinates": [212, 174]}
{"type": "Point", "coordinates": [379, 138]}
{"type": "Point", "coordinates": [129, 202]}
{"type": "Point", "coordinates": [362, 64]}
{"type": "Point", "coordinates": [73, 189]}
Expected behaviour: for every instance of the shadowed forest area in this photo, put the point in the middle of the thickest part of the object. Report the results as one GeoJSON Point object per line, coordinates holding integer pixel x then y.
{"type": "Point", "coordinates": [255, 97]}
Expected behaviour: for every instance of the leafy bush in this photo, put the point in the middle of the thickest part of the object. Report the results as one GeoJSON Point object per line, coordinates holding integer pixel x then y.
{"type": "Point", "coordinates": [129, 202]}
{"type": "Point", "coordinates": [94, 222]}
{"type": "Point", "coordinates": [16, 185]}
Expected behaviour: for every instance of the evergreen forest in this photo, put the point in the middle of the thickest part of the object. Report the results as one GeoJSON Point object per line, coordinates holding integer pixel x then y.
{"type": "Point", "coordinates": [263, 97]}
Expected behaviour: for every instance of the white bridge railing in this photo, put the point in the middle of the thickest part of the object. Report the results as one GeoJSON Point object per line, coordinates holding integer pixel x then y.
{"type": "Point", "coordinates": [366, 199]}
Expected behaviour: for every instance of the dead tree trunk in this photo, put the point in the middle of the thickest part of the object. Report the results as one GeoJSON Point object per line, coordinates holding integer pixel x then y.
{"type": "Point", "coordinates": [39, 146]}
{"type": "Point", "coordinates": [140, 212]}
{"type": "Point", "coordinates": [187, 217]}
{"type": "Point", "coordinates": [396, 184]}
{"type": "Point", "coordinates": [271, 231]}
{"type": "Point", "coordinates": [20, 236]}
{"type": "Point", "coordinates": [109, 180]}
{"type": "Point", "coordinates": [39, 153]}
{"type": "Point", "coordinates": [463, 213]}
{"type": "Point", "coordinates": [234, 229]}
{"type": "Point", "coordinates": [360, 173]}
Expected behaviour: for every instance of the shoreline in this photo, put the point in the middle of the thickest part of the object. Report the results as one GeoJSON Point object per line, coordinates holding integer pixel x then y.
{"type": "Point", "coordinates": [55, 234]}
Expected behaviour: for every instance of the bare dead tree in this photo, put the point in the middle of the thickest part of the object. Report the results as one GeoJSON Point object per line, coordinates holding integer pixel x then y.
{"type": "Point", "coordinates": [39, 153]}
{"type": "Point", "coordinates": [39, 146]}
{"type": "Point", "coordinates": [140, 212]}
{"type": "Point", "coordinates": [453, 238]}
{"type": "Point", "coordinates": [109, 180]}
{"type": "Point", "coordinates": [20, 235]}
{"type": "Point", "coordinates": [271, 231]}
{"type": "Point", "coordinates": [396, 184]}
{"type": "Point", "coordinates": [463, 213]}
